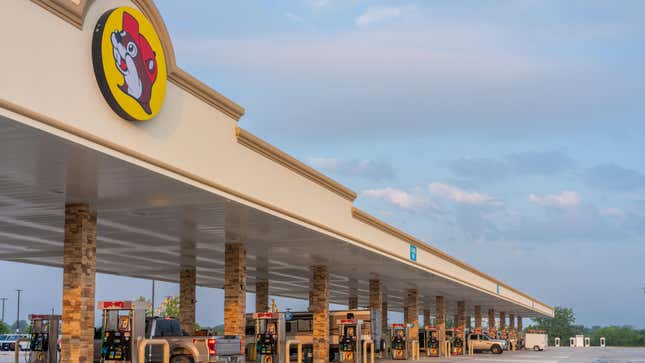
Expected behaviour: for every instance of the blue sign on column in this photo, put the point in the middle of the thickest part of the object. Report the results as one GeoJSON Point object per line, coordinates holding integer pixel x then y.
{"type": "Point", "coordinates": [413, 253]}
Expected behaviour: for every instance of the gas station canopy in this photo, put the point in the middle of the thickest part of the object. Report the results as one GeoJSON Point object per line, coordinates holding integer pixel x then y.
{"type": "Point", "coordinates": [171, 191]}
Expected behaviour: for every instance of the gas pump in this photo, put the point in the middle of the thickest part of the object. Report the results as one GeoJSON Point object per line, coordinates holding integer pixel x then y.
{"type": "Point", "coordinates": [349, 341]}
{"type": "Point", "coordinates": [457, 342]}
{"type": "Point", "coordinates": [44, 338]}
{"type": "Point", "coordinates": [398, 341]}
{"type": "Point", "coordinates": [602, 342]}
{"type": "Point", "coordinates": [123, 323]}
{"type": "Point", "coordinates": [492, 333]}
{"type": "Point", "coordinates": [431, 343]}
{"type": "Point", "coordinates": [269, 338]}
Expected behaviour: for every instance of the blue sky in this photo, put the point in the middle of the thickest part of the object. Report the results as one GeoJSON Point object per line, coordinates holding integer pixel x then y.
{"type": "Point", "coordinates": [507, 133]}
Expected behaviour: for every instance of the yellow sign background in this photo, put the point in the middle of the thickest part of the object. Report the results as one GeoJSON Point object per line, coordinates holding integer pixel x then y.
{"type": "Point", "coordinates": [114, 78]}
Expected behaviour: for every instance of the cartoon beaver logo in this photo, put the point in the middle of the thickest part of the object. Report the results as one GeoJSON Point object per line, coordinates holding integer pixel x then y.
{"type": "Point", "coordinates": [135, 59]}
{"type": "Point", "coordinates": [129, 63]}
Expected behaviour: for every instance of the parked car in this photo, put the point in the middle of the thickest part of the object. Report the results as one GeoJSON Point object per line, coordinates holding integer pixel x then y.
{"type": "Point", "coordinates": [3, 337]}
{"type": "Point", "coordinates": [481, 342]}
{"type": "Point", "coordinates": [9, 344]}
{"type": "Point", "coordinates": [185, 348]}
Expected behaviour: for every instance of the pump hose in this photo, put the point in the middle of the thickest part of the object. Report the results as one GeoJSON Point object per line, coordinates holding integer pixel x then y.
{"type": "Point", "coordinates": [458, 342]}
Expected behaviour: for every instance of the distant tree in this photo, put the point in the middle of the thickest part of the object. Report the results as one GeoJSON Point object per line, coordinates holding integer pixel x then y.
{"type": "Point", "coordinates": [19, 327]}
{"type": "Point", "coordinates": [169, 307]}
{"type": "Point", "coordinates": [4, 328]}
{"type": "Point", "coordinates": [218, 329]}
{"type": "Point", "coordinates": [561, 325]}
{"type": "Point", "coordinates": [619, 336]}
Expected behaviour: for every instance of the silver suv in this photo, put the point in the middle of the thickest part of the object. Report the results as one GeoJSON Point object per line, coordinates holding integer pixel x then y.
{"type": "Point", "coordinates": [482, 342]}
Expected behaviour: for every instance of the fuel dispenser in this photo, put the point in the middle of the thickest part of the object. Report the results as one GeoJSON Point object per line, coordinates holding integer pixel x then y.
{"type": "Point", "coordinates": [557, 342]}
{"type": "Point", "coordinates": [349, 340]}
{"type": "Point", "coordinates": [123, 323]}
{"type": "Point", "coordinates": [270, 338]}
{"type": "Point", "coordinates": [398, 341]}
{"type": "Point", "coordinates": [43, 344]}
{"type": "Point", "coordinates": [602, 342]}
{"type": "Point", "coordinates": [431, 343]}
{"type": "Point", "coordinates": [457, 341]}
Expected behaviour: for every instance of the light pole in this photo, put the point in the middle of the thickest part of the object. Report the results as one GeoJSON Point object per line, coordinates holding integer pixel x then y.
{"type": "Point", "coordinates": [3, 301]}
{"type": "Point", "coordinates": [18, 312]}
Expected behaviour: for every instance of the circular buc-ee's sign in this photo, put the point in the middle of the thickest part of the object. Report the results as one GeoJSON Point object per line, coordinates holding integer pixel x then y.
{"type": "Point", "coordinates": [129, 63]}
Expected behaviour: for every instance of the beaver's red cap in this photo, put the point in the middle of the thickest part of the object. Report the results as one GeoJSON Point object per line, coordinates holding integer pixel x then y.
{"type": "Point", "coordinates": [131, 26]}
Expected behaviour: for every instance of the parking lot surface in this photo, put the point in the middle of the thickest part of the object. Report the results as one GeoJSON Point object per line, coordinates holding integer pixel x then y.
{"type": "Point", "coordinates": [552, 355]}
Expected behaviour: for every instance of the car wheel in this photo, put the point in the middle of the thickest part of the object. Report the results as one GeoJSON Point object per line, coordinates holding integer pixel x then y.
{"type": "Point", "coordinates": [496, 349]}
{"type": "Point", "coordinates": [181, 359]}
{"type": "Point", "coordinates": [536, 348]}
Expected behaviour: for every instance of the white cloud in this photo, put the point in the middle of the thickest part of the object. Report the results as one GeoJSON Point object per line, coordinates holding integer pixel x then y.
{"type": "Point", "coordinates": [294, 18]}
{"type": "Point", "coordinates": [399, 197]}
{"type": "Point", "coordinates": [566, 198]}
{"type": "Point", "coordinates": [375, 14]}
{"type": "Point", "coordinates": [459, 195]}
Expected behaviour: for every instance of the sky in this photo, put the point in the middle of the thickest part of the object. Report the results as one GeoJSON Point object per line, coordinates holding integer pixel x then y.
{"type": "Point", "coordinates": [506, 133]}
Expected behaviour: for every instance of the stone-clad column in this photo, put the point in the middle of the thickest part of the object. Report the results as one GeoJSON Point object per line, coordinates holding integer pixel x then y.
{"type": "Point", "coordinates": [461, 315]}
{"type": "Point", "coordinates": [376, 295]}
{"type": "Point", "coordinates": [461, 320]}
{"type": "Point", "coordinates": [234, 289]}
{"type": "Point", "coordinates": [520, 328]}
{"type": "Point", "coordinates": [502, 324]}
{"type": "Point", "coordinates": [478, 317]}
{"type": "Point", "coordinates": [79, 284]}
{"type": "Point", "coordinates": [375, 305]}
{"type": "Point", "coordinates": [320, 308]}
{"type": "Point", "coordinates": [352, 302]}
{"type": "Point", "coordinates": [511, 325]}
{"type": "Point", "coordinates": [262, 295]}
{"type": "Point", "coordinates": [187, 286]}
{"type": "Point", "coordinates": [384, 318]}
{"type": "Point", "coordinates": [440, 317]}
{"type": "Point", "coordinates": [426, 317]}
{"type": "Point", "coordinates": [412, 309]}
{"type": "Point", "coordinates": [492, 332]}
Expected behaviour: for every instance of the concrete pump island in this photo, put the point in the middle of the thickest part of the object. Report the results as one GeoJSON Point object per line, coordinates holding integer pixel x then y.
{"type": "Point", "coordinates": [115, 160]}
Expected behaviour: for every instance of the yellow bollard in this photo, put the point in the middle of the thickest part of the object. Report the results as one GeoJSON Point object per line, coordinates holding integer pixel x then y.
{"type": "Point", "coordinates": [298, 347]}
{"type": "Point", "coordinates": [369, 342]}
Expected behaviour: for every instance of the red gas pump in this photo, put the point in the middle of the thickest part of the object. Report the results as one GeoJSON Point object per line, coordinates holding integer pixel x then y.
{"type": "Point", "coordinates": [123, 323]}
{"type": "Point", "coordinates": [432, 341]}
{"type": "Point", "coordinates": [457, 342]}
